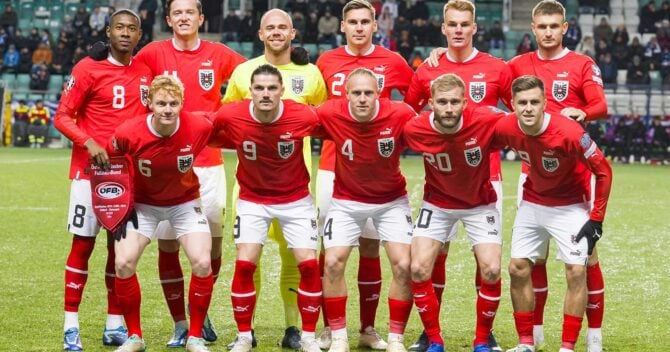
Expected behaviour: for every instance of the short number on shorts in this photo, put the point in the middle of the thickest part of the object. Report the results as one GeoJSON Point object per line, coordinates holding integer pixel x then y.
{"type": "Point", "coordinates": [78, 219]}
{"type": "Point", "coordinates": [424, 218]}
{"type": "Point", "coordinates": [236, 228]}
{"type": "Point", "coordinates": [328, 229]}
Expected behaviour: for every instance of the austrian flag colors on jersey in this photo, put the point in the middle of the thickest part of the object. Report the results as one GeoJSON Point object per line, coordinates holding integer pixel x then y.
{"type": "Point", "coordinates": [367, 154]}
{"type": "Point", "coordinates": [456, 165]}
{"type": "Point", "coordinates": [271, 166]}
{"type": "Point", "coordinates": [100, 95]}
{"type": "Point", "coordinates": [202, 71]}
{"type": "Point", "coordinates": [164, 173]}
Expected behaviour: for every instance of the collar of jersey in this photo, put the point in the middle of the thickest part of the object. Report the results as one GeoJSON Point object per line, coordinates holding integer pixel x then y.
{"type": "Point", "coordinates": [176, 47]}
{"type": "Point", "coordinates": [372, 48]}
{"type": "Point", "coordinates": [545, 125]}
{"type": "Point", "coordinates": [472, 56]}
{"type": "Point", "coordinates": [116, 62]}
{"type": "Point", "coordinates": [373, 117]}
{"type": "Point", "coordinates": [561, 55]}
{"type": "Point", "coordinates": [155, 133]}
{"type": "Point", "coordinates": [432, 124]}
{"type": "Point", "coordinates": [279, 112]}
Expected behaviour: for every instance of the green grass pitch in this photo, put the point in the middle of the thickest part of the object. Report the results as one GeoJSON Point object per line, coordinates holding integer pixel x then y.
{"type": "Point", "coordinates": [34, 244]}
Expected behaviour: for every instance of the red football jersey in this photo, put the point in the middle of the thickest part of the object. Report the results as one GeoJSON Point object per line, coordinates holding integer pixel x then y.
{"type": "Point", "coordinates": [163, 165]}
{"type": "Point", "coordinates": [456, 165]}
{"type": "Point", "coordinates": [202, 70]}
{"type": "Point", "coordinates": [391, 69]}
{"type": "Point", "coordinates": [271, 166]}
{"type": "Point", "coordinates": [367, 158]}
{"type": "Point", "coordinates": [487, 79]}
{"type": "Point", "coordinates": [559, 158]}
{"type": "Point", "coordinates": [99, 96]}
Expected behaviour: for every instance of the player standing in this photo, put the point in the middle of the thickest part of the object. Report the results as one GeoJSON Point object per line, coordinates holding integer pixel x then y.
{"type": "Point", "coordinates": [455, 142]}
{"type": "Point", "coordinates": [575, 89]}
{"type": "Point", "coordinates": [203, 67]}
{"type": "Point", "coordinates": [162, 146]}
{"type": "Point", "coordinates": [392, 72]}
{"type": "Point", "coordinates": [97, 98]}
{"type": "Point", "coordinates": [306, 86]}
{"type": "Point", "coordinates": [561, 157]}
{"type": "Point", "coordinates": [268, 134]}
{"type": "Point", "coordinates": [366, 132]}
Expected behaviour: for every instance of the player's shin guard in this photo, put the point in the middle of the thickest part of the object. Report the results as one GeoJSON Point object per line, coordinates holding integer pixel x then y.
{"type": "Point", "coordinates": [337, 312]}
{"type": "Point", "coordinates": [398, 315]}
{"type": "Point", "coordinates": [309, 294]}
{"type": "Point", "coordinates": [524, 327]}
{"type": "Point", "coordinates": [429, 309]}
{"type": "Point", "coordinates": [541, 291]}
{"type": "Point", "coordinates": [76, 271]}
{"type": "Point", "coordinates": [113, 307]}
{"type": "Point", "coordinates": [199, 296]}
{"type": "Point", "coordinates": [488, 300]}
{"type": "Point", "coordinates": [369, 288]}
{"type": "Point", "coordinates": [439, 277]}
{"type": "Point", "coordinates": [571, 327]}
{"type": "Point", "coordinates": [595, 308]}
{"type": "Point", "coordinates": [289, 283]}
{"type": "Point", "coordinates": [243, 294]}
{"type": "Point", "coordinates": [172, 282]}
{"type": "Point", "coordinates": [216, 267]}
{"type": "Point", "coordinates": [322, 263]}
{"type": "Point", "coordinates": [129, 294]}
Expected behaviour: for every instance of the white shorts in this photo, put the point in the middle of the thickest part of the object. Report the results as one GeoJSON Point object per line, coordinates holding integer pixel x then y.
{"type": "Point", "coordinates": [81, 219]}
{"type": "Point", "coordinates": [346, 218]}
{"type": "Point", "coordinates": [519, 188]}
{"type": "Point", "coordinates": [535, 224]}
{"type": "Point", "coordinates": [213, 197]}
{"type": "Point", "coordinates": [498, 187]}
{"type": "Point", "coordinates": [482, 224]}
{"type": "Point", "coordinates": [185, 218]}
{"type": "Point", "coordinates": [296, 219]}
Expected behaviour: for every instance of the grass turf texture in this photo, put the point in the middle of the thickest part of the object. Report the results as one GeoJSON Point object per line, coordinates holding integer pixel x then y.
{"type": "Point", "coordinates": [35, 191]}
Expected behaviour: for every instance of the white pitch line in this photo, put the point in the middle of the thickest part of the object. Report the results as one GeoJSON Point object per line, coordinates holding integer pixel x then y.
{"type": "Point", "coordinates": [30, 161]}
{"type": "Point", "coordinates": [15, 208]}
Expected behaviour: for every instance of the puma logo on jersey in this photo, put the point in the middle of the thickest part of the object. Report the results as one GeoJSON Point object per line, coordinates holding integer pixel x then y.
{"type": "Point", "coordinates": [386, 132]}
{"type": "Point", "coordinates": [471, 141]}
{"type": "Point", "coordinates": [207, 63]}
{"type": "Point", "coordinates": [548, 152]}
{"type": "Point", "coordinates": [380, 68]}
{"type": "Point", "coordinates": [143, 80]}
{"type": "Point", "coordinates": [480, 75]}
{"type": "Point", "coordinates": [286, 135]}
{"type": "Point", "coordinates": [563, 74]}
{"type": "Point", "coordinates": [185, 149]}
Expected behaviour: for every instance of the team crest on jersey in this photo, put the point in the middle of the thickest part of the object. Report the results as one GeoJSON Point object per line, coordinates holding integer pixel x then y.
{"type": "Point", "coordinates": [285, 149]}
{"type": "Point", "coordinates": [206, 78]}
{"type": "Point", "coordinates": [144, 94]}
{"type": "Point", "coordinates": [184, 162]}
{"type": "Point", "coordinates": [559, 90]}
{"type": "Point", "coordinates": [385, 146]}
{"type": "Point", "coordinates": [550, 164]}
{"type": "Point", "coordinates": [380, 81]}
{"type": "Point", "coordinates": [473, 156]}
{"type": "Point", "coordinates": [298, 84]}
{"type": "Point", "coordinates": [477, 91]}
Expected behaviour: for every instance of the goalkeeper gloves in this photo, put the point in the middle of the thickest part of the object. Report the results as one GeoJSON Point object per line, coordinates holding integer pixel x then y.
{"type": "Point", "coordinates": [592, 230]}
{"type": "Point", "coordinates": [120, 232]}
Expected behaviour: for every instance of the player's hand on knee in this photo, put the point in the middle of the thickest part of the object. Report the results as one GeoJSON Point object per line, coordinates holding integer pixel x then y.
{"type": "Point", "coordinates": [592, 230]}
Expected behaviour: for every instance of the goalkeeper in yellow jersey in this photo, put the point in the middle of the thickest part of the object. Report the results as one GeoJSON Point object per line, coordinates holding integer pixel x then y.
{"type": "Point", "coordinates": [303, 83]}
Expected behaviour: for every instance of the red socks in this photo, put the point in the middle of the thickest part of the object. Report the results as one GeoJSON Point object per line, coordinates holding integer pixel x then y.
{"type": "Point", "coordinates": [541, 290]}
{"type": "Point", "coordinates": [172, 281]}
{"type": "Point", "coordinates": [596, 289]}
{"type": "Point", "coordinates": [309, 294]}
{"type": "Point", "coordinates": [571, 327]}
{"type": "Point", "coordinates": [429, 309]}
{"type": "Point", "coordinates": [398, 315]}
{"type": "Point", "coordinates": [369, 288]}
{"type": "Point", "coordinates": [76, 271]}
{"type": "Point", "coordinates": [524, 327]}
{"type": "Point", "coordinates": [113, 307]}
{"type": "Point", "coordinates": [243, 294]}
{"type": "Point", "coordinates": [199, 296]}
{"type": "Point", "coordinates": [129, 296]}
{"type": "Point", "coordinates": [488, 300]}
{"type": "Point", "coordinates": [337, 312]}
{"type": "Point", "coordinates": [439, 277]}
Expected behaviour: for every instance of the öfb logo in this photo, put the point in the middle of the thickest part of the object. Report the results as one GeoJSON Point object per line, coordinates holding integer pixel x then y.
{"type": "Point", "coordinates": [109, 190]}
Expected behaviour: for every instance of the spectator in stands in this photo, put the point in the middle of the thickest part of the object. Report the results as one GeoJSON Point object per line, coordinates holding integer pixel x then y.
{"type": "Point", "coordinates": [652, 51]}
{"type": "Point", "coordinates": [619, 50]}
{"type": "Point", "coordinates": [9, 20]}
{"type": "Point", "coordinates": [78, 54]}
{"type": "Point", "coordinates": [635, 49]}
{"type": "Point", "coordinates": [619, 141]}
{"type": "Point", "coordinates": [608, 68]}
{"type": "Point", "coordinates": [25, 61]}
{"type": "Point", "coordinates": [39, 117]}
{"type": "Point", "coordinates": [213, 11]}
{"type": "Point", "coordinates": [526, 45]}
{"type": "Point", "coordinates": [68, 26]}
{"type": "Point", "coordinates": [385, 22]}
{"type": "Point", "coordinates": [34, 39]}
{"type": "Point", "coordinates": [336, 7]}
{"type": "Point", "coordinates": [80, 21]}
{"type": "Point", "coordinates": [231, 26]}
{"type": "Point", "coordinates": [622, 31]}
{"type": "Point", "coordinates": [421, 33]}
{"type": "Point", "coordinates": [62, 59]}
{"type": "Point", "coordinates": [481, 43]}
{"type": "Point", "coordinates": [664, 66]}
{"type": "Point", "coordinates": [147, 11]}
{"type": "Point", "coordinates": [602, 6]}
{"type": "Point", "coordinates": [663, 34]}
{"type": "Point", "coordinates": [573, 36]}
{"type": "Point", "coordinates": [20, 40]}
{"type": "Point", "coordinates": [603, 31]}
{"type": "Point", "coordinates": [648, 18]}
{"type": "Point", "coordinates": [11, 60]}
{"type": "Point", "coordinates": [392, 6]}
{"type": "Point", "coordinates": [638, 73]}
{"type": "Point", "coordinates": [405, 45]}
{"type": "Point", "coordinates": [416, 60]}
{"type": "Point", "coordinates": [401, 24]}
{"type": "Point", "coordinates": [664, 12]}
{"type": "Point", "coordinates": [602, 47]}
{"type": "Point", "coordinates": [328, 26]}
{"type": "Point", "coordinates": [311, 28]}
{"type": "Point", "coordinates": [658, 140]}
{"type": "Point", "coordinates": [587, 47]}
{"type": "Point", "coordinates": [21, 122]}
{"type": "Point", "coordinates": [247, 27]}
{"type": "Point", "coordinates": [496, 36]}
{"type": "Point", "coordinates": [42, 54]}
{"type": "Point", "coordinates": [97, 19]}
{"type": "Point", "coordinates": [4, 40]}
{"type": "Point", "coordinates": [299, 26]}
{"type": "Point", "coordinates": [45, 37]}
{"type": "Point", "coordinates": [636, 141]}
{"type": "Point", "coordinates": [39, 76]}
{"type": "Point", "coordinates": [419, 10]}
{"type": "Point", "coordinates": [295, 6]}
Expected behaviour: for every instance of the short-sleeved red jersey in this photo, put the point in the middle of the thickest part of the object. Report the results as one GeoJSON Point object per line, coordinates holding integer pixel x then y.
{"type": "Point", "coordinates": [202, 71]}
{"type": "Point", "coordinates": [391, 69]}
{"type": "Point", "coordinates": [99, 96]}
{"type": "Point", "coordinates": [487, 80]}
{"type": "Point", "coordinates": [367, 154]}
{"type": "Point", "coordinates": [271, 166]}
{"type": "Point", "coordinates": [560, 158]}
{"type": "Point", "coordinates": [164, 174]}
{"type": "Point", "coordinates": [456, 165]}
